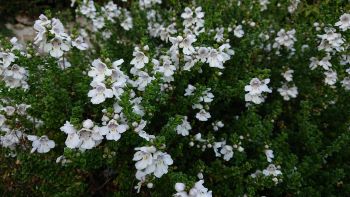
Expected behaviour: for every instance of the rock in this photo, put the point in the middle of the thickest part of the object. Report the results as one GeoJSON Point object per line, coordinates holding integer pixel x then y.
{"type": "Point", "coordinates": [25, 20]}
{"type": "Point", "coordinates": [22, 32]}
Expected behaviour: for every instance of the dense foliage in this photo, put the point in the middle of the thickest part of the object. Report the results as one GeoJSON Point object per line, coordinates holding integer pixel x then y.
{"type": "Point", "coordinates": [184, 98]}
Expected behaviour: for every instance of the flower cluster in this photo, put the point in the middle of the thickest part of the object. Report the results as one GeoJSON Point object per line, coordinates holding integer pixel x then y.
{"type": "Point", "coordinates": [109, 12]}
{"type": "Point", "coordinates": [205, 98]}
{"type": "Point", "coordinates": [14, 129]}
{"type": "Point", "coordinates": [198, 190]}
{"type": "Point", "coordinates": [101, 74]}
{"type": "Point", "coordinates": [51, 37]}
{"type": "Point", "coordinates": [41, 144]}
{"type": "Point", "coordinates": [288, 91]}
{"type": "Point", "coordinates": [286, 39]}
{"type": "Point", "coordinates": [255, 90]}
{"type": "Point", "coordinates": [11, 73]}
{"type": "Point", "coordinates": [271, 170]}
{"type": "Point", "coordinates": [332, 43]}
{"type": "Point", "coordinates": [184, 128]}
{"type": "Point", "coordinates": [226, 151]}
{"type": "Point", "coordinates": [87, 137]}
{"type": "Point", "coordinates": [161, 98]}
{"type": "Point", "coordinates": [149, 160]}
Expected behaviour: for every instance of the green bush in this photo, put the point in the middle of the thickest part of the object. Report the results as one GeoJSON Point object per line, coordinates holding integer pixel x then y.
{"type": "Point", "coordinates": [87, 107]}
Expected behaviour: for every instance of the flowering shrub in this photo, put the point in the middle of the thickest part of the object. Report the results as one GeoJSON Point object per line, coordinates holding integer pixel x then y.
{"type": "Point", "coordinates": [177, 98]}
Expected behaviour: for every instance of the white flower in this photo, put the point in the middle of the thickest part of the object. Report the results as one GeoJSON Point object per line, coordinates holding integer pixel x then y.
{"type": "Point", "coordinates": [41, 144]}
{"type": "Point", "coordinates": [64, 63]}
{"type": "Point", "coordinates": [127, 24]}
{"type": "Point", "coordinates": [186, 44]}
{"type": "Point", "coordinates": [165, 33]}
{"type": "Point", "coordinates": [143, 80]}
{"type": "Point", "coordinates": [72, 140]}
{"type": "Point", "coordinates": [144, 157]}
{"type": "Point", "coordinates": [2, 120]}
{"type": "Point", "coordinates": [207, 96]}
{"type": "Point", "coordinates": [148, 3]}
{"type": "Point", "coordinates": [293, 6]}
{"type": "Point", "coordinates": [114, 130]}
{"type": "Point", "coordinates": [146, 136]}
{"type": "Point", "coordinates": [238, 31]}
{"type": "Point", "coordinates": [15, 72]}
{"type": "Point", "coordinates": [257, 87]}
{"type": "Point", "coordinates": [11, 138]}
{"type": "Point", "coordinates": [89, 138]}
{"type": "Point", "coordinates": [203, 53]}
{"type": "Point", "coordinates": [199, 190]}
{"type": "Point", "coordinates": [184, 128]}
{"type": "Point", "coordinates": [139, 129]}
{"type": "Point", "coordinates": [288, 92]}
{"type": "Point", "coordinates": [314, 62]}
{"type": "Point", "coordinates": [56, 47]}
{"type": "Point", "coordinates": [7, 59]}
{"type": "Point", "coordinates": [62, 159]}
{"type": "Point", "coordinates": [217, 125]}
{"type": "Point", "coordinates": [167, 69]}
{"type": "Point", "coordinates": [161, 162]}
{"type": "Point", "coordinates": [15, 76]}
{"type": "Point", "coordinates": [269, 155]}
{"type": "Point", "coordinates": [285, 39]}
{"type": "Point", "coordinates": [189, 90]}
{"type": "Point", "coordinates": [255, 90]}
{"type": "Point", "coordinates": [325, 62]}
{"type": "Point", "coordinates": [149, 161]}
{"type": "Point", "coordinates": [346, 83]}
{"type": "Point", "coordinates": [190, 62]}
{"type": "Point", "coordinates": [227, 151]}
{"type": "Point", "coordinates": [226, 52]}
{"type": "Point", "coordinates": [331, 41]}
{"type": "Point", "coordinates": [345, 59]}
{"type": "Point", "coordinates": [191, 22]}
{"type": "Point", "coordinates": [181, 194]}
{"type": "Point", "coordinates": [111, 11]}
{"type": "Point", "coordinates": [88, 9]}
{"type": "Point", "coordinates": [137, 107]}
{"type": "Point", "coordinates": [140, 59]}
{"type": "Point", "coordinates": [344, 22]}
{"type": "Point", "coordinates": [219, 36]}
{"type": "Point", "coordinates": [187, 14]}
{"type": "Point", "coordinates": [86, 138]}
{"type": "Point", "coordinates": [98, 23]}
{"type": "Point", "coordinates": [288, 75]}
{"type": "Point", "coordinates": [99, 93]}
{"type": "Point", "coordinates": [99, 70]}
{"type": "Point", "coordinates": [57, 28]}
{"type": "Point", "coordinates": [40, 28]}
{"type": "Point", "coordinates": [271, 170]}
{"type": "Point", "coordinates": [263, 4]}
{"type": "Point", "coordinates": [331, 77]}
{"type": "Point", "coordinates": [215, 59]}
{"type": "Point", "coordinates": [203, 115]}
{"type": "Point", "coordinates": [118, 78]}
{"type": "Point", "coordinates": [9, 110]}
{"type": "Point", "coordinates": [79, 43]}
{"type": "Point", "coordinates": [68, 128]}
{"type": "Point", "coordinates": [256, 174]}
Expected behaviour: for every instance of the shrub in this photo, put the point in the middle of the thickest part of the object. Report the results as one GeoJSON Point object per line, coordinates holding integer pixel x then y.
{"type": "Point", "coordinates": [183, 98]}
